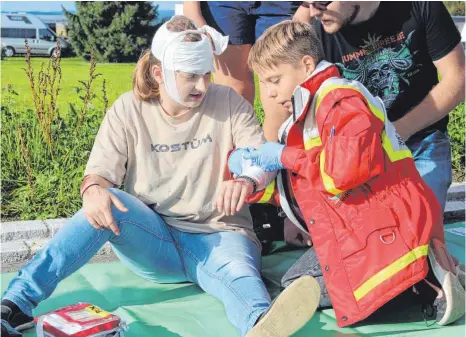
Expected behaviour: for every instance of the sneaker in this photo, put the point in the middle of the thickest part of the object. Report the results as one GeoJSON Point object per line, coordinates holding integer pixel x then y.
{"type": "Point", "coordinates": [8, 331]}
{"type": "Point", "coordinates": [450, 301]}
{"type": "Point", "coordinates": [290, 311]}
{"type": "Point", "coordinates": [15, 317]}
{"type": "Point", "coordinates": [459, 270]}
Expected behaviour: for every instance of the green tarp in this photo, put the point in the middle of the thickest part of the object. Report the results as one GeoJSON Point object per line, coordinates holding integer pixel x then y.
{"type": "Point", "coordinates": [184, 310]}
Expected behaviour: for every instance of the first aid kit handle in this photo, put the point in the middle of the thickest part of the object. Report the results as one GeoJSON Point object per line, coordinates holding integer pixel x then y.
{"type": "Point", "coordinates": [40, 327]}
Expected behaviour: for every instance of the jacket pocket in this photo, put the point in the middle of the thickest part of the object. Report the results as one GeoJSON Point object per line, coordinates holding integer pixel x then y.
{"type": "Point", "coordinates": [351, 161]}
{"type": "Point", "coordinates": [371, 250]}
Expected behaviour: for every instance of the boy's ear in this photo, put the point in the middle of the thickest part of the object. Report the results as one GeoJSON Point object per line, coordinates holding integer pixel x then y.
{"type": "Point", "coordinates": [157, 73]}
{"type": "Point", "coordinates": [309, 64]}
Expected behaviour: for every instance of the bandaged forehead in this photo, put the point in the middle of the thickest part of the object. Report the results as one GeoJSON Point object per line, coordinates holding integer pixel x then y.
{"type": "Point", "coordinates": [187, 56]}
{"type": "Point", "coordinates": [190, 57]}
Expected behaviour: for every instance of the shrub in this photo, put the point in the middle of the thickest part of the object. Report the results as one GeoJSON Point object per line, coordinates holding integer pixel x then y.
{"type": "Point", "coordinates": [456, 131]}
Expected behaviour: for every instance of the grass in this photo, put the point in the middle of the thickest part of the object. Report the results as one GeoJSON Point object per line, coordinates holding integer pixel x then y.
{"type": "Point", "coordinates": [117, 76]}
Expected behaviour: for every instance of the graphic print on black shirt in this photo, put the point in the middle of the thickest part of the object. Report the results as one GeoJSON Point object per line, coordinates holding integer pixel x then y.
{"type": "Point", "coordinates": [385, 67]}
{"type": "Point", "coordinates": [393, 53]}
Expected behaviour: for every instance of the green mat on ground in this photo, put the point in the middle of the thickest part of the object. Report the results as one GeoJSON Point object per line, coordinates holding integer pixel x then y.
{"type": "Point", "coordinates": [184, 310]}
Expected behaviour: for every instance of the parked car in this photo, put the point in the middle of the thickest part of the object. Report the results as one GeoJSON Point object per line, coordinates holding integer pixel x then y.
{"type": "Point", "coordinates": [17, 27]}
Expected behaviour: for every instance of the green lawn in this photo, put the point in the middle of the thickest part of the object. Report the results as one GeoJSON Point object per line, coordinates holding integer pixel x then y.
{"type": "Point", "coordinates": [117, 76]}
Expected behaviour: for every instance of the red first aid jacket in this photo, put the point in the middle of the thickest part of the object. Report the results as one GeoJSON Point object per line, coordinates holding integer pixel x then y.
{"type": "Point", "coordinates": [351, 180]}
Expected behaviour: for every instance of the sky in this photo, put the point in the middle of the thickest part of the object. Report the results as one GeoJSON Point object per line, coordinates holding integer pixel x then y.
{"type": "Point", "coordinates": [53, 6]}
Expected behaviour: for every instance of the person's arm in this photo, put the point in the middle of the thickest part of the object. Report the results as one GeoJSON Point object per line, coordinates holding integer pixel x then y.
{"type": "Point", "coordinates": [92, 180]}
{"type": "Point", "coordinates": [303, 13]}
{"type": "Point", "coordinates": [351, 152]}
{"type": "Point", "coordinates": [442, 99]}
{"type": "Point", "coordinates": [107, 161]}
{"type": "Point", "coordinates": [247, 133]}
{"type": "Point", "coordinates": [106, 168]}
{"type": "Point", "coordinates": [445, 49]}
{"type": "Point", "coordinates": [192, 10]}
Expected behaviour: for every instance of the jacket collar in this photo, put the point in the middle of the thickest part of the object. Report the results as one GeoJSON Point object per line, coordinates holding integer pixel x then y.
{"type": "Point", "coordinates": [304, 93]}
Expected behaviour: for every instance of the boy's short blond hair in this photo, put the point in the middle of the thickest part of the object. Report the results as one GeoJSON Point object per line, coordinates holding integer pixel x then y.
{"type": "Point", "coordinates": [285, 43]}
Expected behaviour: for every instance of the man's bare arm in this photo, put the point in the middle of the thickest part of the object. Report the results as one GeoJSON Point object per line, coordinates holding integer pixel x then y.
{"type": "Point", "coordinates": [442, 99]}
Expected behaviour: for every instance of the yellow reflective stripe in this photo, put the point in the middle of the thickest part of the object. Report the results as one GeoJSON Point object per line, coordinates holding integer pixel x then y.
{"type": "Point", "coordinates": [268, 192]}
{"type": "Point", "coordinates": [328, 181]}
{"type": "Point", "coordinates": [392, 153]}
{"type": "Point", "coordinates": [312, 142]}
{"type": "Point", "coordinates": [391, 270]}
{"type": "Point", "coordinates": [386, 143]}
{"type": "Point", "coordinates": [377, 112]}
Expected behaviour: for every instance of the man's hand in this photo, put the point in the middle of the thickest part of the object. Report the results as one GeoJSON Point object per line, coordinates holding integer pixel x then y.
{"type": "Point", "coordinates": [97, 203]}
{"type": "Point", "coordinates": [232, 196]}
{"type": "Point", "coordinates": [267, 157]}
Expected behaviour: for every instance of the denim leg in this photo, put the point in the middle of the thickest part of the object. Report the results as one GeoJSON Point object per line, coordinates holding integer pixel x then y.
{"type": "Point", "coordinates": [308, 264]}
{"type": "Point", "coordinates": [145, 245]}
{"type": "Point", "coordinates": [227, 265]}
{"type": "Point", "coordinates": [432, 156]}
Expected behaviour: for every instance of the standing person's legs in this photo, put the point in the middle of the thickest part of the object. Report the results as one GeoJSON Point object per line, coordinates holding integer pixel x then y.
{"type": "Point", "coordinates": [432, 156]}
{"type": "Point", "coordinates": [268, 14]}
{"type": "Point", "coordinates": [231, 69]}
{"type": "Point", "coordinates": [145, 245]}
{"type": "Point", "coordinates": [227, 265]}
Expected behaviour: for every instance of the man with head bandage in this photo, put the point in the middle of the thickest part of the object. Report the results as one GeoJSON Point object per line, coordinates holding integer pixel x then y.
{"type": "Point", "coordinates": [168, 141]}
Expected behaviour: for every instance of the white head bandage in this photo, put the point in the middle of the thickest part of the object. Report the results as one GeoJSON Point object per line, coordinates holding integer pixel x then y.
{"type": "Point", "coordinates": [190, 57]}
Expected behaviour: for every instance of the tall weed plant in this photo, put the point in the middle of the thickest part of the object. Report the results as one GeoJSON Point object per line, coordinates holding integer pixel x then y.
{"type": "Point", "coordinates": [43, 153]}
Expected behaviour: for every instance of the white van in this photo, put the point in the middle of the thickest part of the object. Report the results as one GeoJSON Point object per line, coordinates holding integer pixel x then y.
{"type": "Point", "coordinates": [16, 27]}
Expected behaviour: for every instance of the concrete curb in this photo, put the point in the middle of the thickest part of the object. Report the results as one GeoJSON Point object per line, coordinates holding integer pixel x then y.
{"type": "Point", "coordinates": [21, 240]}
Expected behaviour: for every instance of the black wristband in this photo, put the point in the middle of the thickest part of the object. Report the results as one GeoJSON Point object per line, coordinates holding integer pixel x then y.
{"type": "Point", "coordinates": [249, 180]}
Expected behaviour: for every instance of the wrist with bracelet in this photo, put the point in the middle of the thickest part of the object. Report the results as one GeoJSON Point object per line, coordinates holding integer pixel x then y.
{"type": "Point", "coordinates": [85, 185]}
{"type": "Point", "coordinates": [248, 180]}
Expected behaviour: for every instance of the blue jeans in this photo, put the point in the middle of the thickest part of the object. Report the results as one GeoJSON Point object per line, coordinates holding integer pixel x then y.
{"type": "Point", "coordinates": [432, 156]}
{"type": "Point", "coordinates": [224, 264]}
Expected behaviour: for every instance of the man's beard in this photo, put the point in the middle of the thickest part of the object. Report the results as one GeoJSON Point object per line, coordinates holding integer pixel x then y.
{"type": "Point", "coordinates": [352, 17]}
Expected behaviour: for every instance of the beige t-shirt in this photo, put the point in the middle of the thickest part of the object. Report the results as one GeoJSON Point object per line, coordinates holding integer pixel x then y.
{"type": "Point", "coordinates": [175, 165]}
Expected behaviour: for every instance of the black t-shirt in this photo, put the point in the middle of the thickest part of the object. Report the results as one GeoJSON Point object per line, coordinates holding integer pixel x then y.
{"type": "Point", "coordinates": [392, 53]}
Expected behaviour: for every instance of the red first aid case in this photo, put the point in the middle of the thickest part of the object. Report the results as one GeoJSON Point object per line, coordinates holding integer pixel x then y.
{"type": "Point", "coordinates": [79, 320]}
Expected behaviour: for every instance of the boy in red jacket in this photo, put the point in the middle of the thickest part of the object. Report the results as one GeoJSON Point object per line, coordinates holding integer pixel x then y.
{"type": "Point", "coordinates": [348, 178]}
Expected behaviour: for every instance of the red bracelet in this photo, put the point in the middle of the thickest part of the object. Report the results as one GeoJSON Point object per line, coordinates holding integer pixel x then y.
{"type": "Point", "coordinates": [85, 185]}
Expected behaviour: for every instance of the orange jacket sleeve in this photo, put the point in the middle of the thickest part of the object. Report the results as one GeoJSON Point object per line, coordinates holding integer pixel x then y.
{"type": "Point", "coordinates": [268, 195]}
{"type": "Point", "coordinates": [351, 152]}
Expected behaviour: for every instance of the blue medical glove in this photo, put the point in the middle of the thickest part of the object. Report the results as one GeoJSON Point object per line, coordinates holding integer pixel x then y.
{"type": "Point", "coordinates": [235, 160]}
{"type": "Point", "coordinates": [267, 156]}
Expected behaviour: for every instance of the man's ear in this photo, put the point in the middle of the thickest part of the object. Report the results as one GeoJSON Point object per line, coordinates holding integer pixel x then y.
{"type": "Point", "coordinates": [157, 73]}
{"type": "Point", "coordinates": [309, 64]}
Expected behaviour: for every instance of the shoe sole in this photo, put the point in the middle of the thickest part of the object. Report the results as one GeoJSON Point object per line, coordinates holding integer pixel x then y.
{"type": "Point", "coordinates": [453, 291]}
{"type": "Point", "coordinates": [292, 309]}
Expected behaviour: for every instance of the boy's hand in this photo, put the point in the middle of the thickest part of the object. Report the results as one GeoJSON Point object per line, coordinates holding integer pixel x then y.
{"type": "Point", "coordinates": [267, 157]}
{"type": "Point", "coordinates": [232, 196]}
{"type": "Point", "coordinates": [235, 161]}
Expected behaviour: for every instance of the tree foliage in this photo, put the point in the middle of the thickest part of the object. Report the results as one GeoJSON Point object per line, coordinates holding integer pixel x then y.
{"type": "Point", "coordinates": [455, 7]}
{"type": "Point", "coordinates": [116, 31]}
